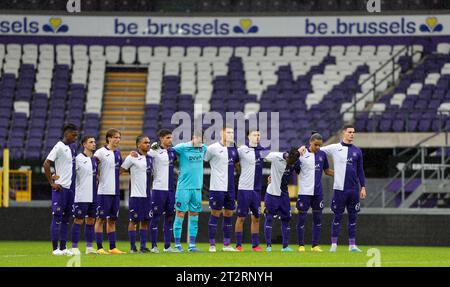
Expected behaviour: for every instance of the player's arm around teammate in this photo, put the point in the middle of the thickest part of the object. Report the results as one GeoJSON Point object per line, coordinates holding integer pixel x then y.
{"type": "Point", "coordinates": [140, 169]}
{"type": "Point", "coordinates": [109, 162]}
{"type": "Point", "coordinates": [188, 196]}
{"type": "Point", "coordinates": [312, 164]}
{"type": "Point", "coordinates": [85, 204]}
{"type": "Point", "coordinates": [223, 157]}
{"type": "Point", "coordinates": [276, 200]}
{"type": "Point", "coordinates": [249, 189]}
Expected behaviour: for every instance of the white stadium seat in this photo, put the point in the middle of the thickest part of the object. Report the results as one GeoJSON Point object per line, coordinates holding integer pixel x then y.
{"type": "Point", "coordinates": [443, 48]}
{"type": "Point", "coordinates": [112, 54]}
{"type": "Point", "coordinates": [128, 54]}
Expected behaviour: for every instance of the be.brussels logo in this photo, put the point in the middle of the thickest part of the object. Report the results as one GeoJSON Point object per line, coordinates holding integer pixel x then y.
{"type": "Point", "coordinates": [245, 27]}
{"type": "Point", "coordinates": [431, 25]}
{"type": "Point", "coordinates": [55, 25]}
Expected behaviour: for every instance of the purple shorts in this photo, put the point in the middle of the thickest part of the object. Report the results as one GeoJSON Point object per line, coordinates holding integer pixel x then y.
{"type": "Point", "coordinates": [139, 208]}
{"type": "Point", "coordinates": [62, 202]}
{"type": "Point", "coordinates": [248, 199]}
{"type": "Point", "coordinates": [219, 200]}
{"type": "Point", "coordinates": [108, 206]}
{"type": "Point", "coordinates": [84, 209]}
{"type": "Point", "coordinates": [304, 202]}
{"type": "Point", "coordinates": [278, 205]}
{"type": "Point", "coordinates": [345, 199]}
{"type": "Point", "coordinates": [163, 201]}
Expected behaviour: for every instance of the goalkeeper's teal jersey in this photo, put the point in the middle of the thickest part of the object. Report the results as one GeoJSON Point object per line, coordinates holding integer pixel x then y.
{"type": "Point", "coordinates": [191, 165]}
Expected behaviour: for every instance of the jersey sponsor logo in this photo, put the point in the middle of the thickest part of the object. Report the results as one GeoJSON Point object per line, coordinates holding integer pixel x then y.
{"type": "Point", "coordinates": [195, 157]}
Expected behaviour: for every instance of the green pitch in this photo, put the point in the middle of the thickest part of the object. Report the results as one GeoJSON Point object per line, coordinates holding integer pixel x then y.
{"type": "Point", "coordinates": [35, 253]}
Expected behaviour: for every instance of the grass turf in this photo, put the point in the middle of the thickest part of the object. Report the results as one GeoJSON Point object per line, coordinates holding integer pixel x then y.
{"type": "Point", "coordinates": [37, 253]}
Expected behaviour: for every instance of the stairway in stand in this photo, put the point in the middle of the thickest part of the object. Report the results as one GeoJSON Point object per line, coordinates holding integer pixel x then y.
{"type": "Point", "coordinates": [123, 109]}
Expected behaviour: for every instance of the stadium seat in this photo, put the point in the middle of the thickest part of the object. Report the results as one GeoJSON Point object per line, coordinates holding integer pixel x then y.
{"type": "Point", "coordinates": [128, 54]}
{"type": "Point", "coordinates": [112, 54]}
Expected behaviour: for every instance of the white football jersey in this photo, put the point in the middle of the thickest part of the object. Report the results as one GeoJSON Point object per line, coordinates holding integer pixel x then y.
{"type": "Point", "coordinates": [140, 169]}
{"type": "Point", "coordinates": [221, 160]}
{"type": "Point", "coordinates": [86, 178]}
{"type": "Point", "coordinates": [109, 168]}
{"type": "Point", "coordinates": [64, 158]}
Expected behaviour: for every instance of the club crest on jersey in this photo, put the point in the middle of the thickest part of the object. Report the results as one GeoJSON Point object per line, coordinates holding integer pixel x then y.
{"type": "Point", "coordinates": [178, 204]}
{"type": "Point", "coordinates": [355, 154]}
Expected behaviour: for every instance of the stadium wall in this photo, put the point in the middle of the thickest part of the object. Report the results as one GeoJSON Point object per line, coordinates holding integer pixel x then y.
{"type": "Point", "coordinates": [419, 229]}
{"type": "Point", "coordinates": [429, 42]}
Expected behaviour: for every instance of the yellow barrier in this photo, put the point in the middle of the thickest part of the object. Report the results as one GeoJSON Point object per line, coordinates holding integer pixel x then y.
{"type": "Point", "coordinates": [1, 188]}
{"type": "Point", "coordinates": [5, 198]}
{"type": "Point", "coordinates": [20, 184]}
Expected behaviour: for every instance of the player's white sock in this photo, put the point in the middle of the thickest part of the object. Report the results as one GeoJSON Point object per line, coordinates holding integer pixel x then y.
{"type": "Point", "coordinates": [333, 247]}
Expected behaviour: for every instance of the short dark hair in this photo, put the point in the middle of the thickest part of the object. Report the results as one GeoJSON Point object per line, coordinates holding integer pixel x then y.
{"type": "Point", "coordinates": [139, 138]}
{"type": "Point", "coordinates": [85, 139]}
{"type": "Point", "coordinates": [293, 153]}
{"type": "Point", "coordinates": [252, 130]}
{"type": "Point", "coordinates": [110, 133]}
{"type": "Point", "coordinates": [163, 132]}
{"type": "Point", "coordinates": [348, 126]}
{"type": "Point", "coordinates": [315, 136]}
{"type": "Point", "coordinates": [70, 128]}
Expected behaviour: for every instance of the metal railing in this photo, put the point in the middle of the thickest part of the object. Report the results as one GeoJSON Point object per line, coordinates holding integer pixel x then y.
{"type": "Point", "coordinates": [373, 77]}
{"type": "Point", "coordinates": [421, 151]}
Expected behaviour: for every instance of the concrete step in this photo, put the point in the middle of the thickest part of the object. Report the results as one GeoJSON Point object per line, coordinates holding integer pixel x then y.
{"type": "Point", "coordinates": [107, 102]}
{"type": "Point", "coordinates": [123, 112]}
{"type": "Point", "coordinates": [126, 75]}
{"type": "Point", "coordinates": [125, 84]}
{"type": "Point", "coordinates": [118, 123]}
{"type": "Point", "coordinates": [112, 94]}
{"type": "Point", "coordinates": [124, 109]}
{"type": "Point", "coordinates": [123, 119]}
{"type": "Point", "coordinates": [120, 90]}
